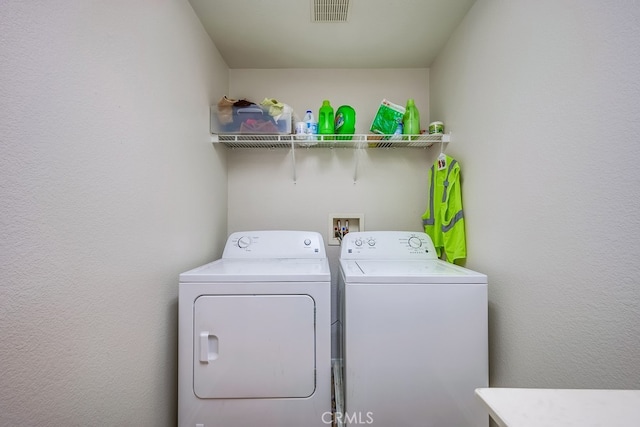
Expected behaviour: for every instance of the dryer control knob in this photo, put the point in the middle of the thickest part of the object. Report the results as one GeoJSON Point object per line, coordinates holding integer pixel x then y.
{"type": "Point", "coordinates": [371, 242]}
{"type": "Point", "coordinates": [307, 242]}
{"type": "Point", "coordinates": [244, 242]}
{"type": "Point", "coordinates": [358, 242]}
{"type": "Point", "coordinates": [414, 242]}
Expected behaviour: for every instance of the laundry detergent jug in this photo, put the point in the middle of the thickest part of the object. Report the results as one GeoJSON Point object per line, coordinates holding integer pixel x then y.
{"type": "Point", "coordinates": [345, 123]}
{"type": "Point", "coordinates": [325, 119]}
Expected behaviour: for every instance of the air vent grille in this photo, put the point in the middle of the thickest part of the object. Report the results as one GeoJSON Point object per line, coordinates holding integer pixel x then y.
{"type": "Point", "coordinates": [329, 10]}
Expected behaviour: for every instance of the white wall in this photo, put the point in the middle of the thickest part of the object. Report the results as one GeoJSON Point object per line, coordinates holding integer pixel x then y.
{"type": "Point", "coordinates": [110, 188]}
{"type": "Point", "coordinates": [262, 191]}
{"type": "Point", "coordinates": [543, 99]}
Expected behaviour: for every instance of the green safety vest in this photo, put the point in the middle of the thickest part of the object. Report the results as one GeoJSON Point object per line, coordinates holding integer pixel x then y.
{"type": "Point", "coordinates": [443, 220]}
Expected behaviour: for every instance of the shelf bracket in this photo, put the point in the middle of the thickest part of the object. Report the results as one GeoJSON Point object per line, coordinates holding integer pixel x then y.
{"type": "Point", "coordinates": [356, 155]}
{"type": "Point", "coordinates": [293, 160]}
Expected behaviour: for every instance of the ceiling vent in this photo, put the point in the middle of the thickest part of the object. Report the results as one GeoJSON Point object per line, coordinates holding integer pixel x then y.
{"type": "Point", "coordinates": [329, 10]}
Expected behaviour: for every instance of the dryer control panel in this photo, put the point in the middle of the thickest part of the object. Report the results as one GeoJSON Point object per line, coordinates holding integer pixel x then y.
{"type": "Point", "coordinates": [275, 244]}
{"type": "Point", "coordinates": [387, 245]}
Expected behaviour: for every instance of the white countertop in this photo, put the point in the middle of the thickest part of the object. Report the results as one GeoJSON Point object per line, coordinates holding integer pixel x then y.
{"type": "Point", "coordinates": [527, 407]}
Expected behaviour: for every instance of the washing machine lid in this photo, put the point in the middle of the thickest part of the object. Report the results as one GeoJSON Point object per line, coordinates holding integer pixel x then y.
{"type": "Point", "coordinates": [408, 272]}
{"type": "Point", "coordinates": [260, 270]}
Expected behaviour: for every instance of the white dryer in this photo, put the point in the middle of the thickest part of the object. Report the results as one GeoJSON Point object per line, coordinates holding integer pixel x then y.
{"type": "Point", "coordinates": [414, 333]}
{"type": "Point", "coordinates": [254, 346]}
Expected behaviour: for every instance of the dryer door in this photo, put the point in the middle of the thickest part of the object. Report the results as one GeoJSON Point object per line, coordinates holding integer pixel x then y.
{"type": "Point", "coordinates": [254, 346]}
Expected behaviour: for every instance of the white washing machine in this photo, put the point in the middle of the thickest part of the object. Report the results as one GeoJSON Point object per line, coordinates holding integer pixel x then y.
{"type": "Point", "coordinates": [414, 333]}
{"type": "Point", "coordinates": [254, 346]}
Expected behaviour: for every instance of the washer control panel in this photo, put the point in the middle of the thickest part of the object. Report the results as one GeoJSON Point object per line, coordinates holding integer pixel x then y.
{"type": "Point", "coordinates": [273, 244]}
{"type": "Point", "coordinates": [387, 245]}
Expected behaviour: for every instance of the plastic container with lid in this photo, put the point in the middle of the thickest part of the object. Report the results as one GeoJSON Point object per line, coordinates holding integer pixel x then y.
{"type": "Point", "coordinates": [252, 119]}
{"type": "Point", "coordinates": [436, 128]}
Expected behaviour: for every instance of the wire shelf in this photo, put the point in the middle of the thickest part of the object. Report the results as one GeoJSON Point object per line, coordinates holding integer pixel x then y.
{"type": "Point", "coordinates": [328, 141]}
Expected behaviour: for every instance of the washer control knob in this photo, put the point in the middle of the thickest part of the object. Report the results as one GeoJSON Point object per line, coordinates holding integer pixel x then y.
{"type": "Point", "coordinates": [414, 242]}
{"type": "Point", "coordinates": [307, 242]}
{"type": "Point", "coordinates": [244, 242]}
{"type": "Point", "coordinates": [358, 242]}
{"type": "Point", "coordinates": [371, 242]}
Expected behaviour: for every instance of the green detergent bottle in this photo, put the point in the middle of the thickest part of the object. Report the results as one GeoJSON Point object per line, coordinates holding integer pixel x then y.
{"type": "Point", "coordinates": [345, 123]}
{"type": "Point", "coordinates": [325, 119]}
{"type": "Point", "coordinates": [411, 119]}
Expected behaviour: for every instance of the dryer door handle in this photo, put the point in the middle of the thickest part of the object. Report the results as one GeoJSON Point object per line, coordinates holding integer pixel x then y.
{"type": "Point", "coordinates": [208, 347]}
